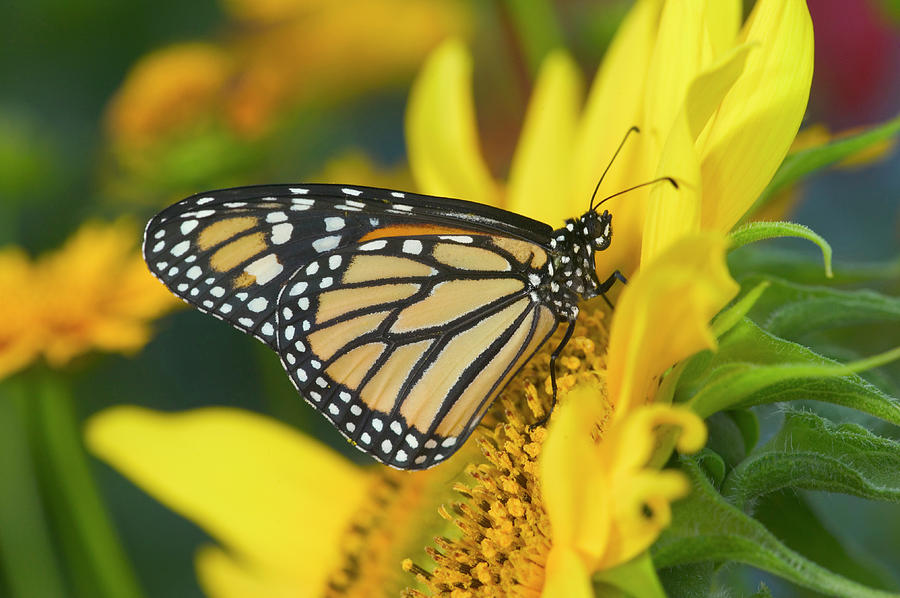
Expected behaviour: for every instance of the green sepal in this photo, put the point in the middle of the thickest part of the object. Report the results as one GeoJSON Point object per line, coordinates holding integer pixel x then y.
{"type": "Point", "coordinates": [800, 164]}
{"type": "Point", "coordinates": [760, 231]}
{"type": "Point", "coordinates": [636, 578]}
{"type": "Point", "coordinates": [812, 453]}
{"type": "Point", "coordinates": [706, 528]}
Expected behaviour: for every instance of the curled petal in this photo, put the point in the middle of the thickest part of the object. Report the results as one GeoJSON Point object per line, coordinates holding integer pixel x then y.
{"type": "Point", "coordinates": [260, 488]}
{"type": "Point", "coordinates": [642, 510]}
{"type": "Point", "coordinates": [663, 316]}
{"type": "Point", "coordinates": [441, 132]}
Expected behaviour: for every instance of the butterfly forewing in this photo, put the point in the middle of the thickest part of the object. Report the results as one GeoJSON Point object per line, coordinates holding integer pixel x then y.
{"type": "Point", "coordinates": [402, 342]}
{"type": "Point", "coordinates": [398, 316]}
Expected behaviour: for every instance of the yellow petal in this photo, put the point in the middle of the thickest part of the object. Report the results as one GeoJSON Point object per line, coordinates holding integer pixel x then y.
{"type": "Point", "coordinates": [675, 213]}
{"type": "Point", "coordinates": [222, 576]}
{"type": "Point", "coordinates": [575, 502]}
{"type": "Point", "coordinates": [663, 314]}
{"type": "Point", "coordinates": [723, 19]}
{"type": "Point", "coordinates": [635, 531]}
{"type": "Point", "coordinates": [760, 116]}
{"type": "Point", "coordinates": [441, 132]}
{"type": "Point", "coordinates": [539, 176]}
{"type": "Point", "coordinates": [567, 575]}
{"type": "Point", "coordinates": [276, 499]}
{"type": "Point", "coordinates": [614, 104]}
{"type": "Point", "coordinates": [682, 51]}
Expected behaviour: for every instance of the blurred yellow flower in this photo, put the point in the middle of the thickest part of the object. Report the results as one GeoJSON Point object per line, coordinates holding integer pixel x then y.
{"type": "Point", "coordinates": [167, 93]}
{"type": "Point", "coordinates": [281, 53]}
{"type": "Point", "coordinates": [19, 345]}
{"type": "Point", "coordinates": [94, 293]}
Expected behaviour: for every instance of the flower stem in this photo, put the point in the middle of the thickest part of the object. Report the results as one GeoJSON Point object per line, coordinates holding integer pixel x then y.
{"type": "Point", "coordinates": [26, 548]}
{"type": "Point", "coordinates": [92, 545]}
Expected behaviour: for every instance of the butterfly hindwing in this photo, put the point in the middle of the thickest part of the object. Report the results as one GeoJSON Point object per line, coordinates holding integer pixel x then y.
{"type": "Point", "coordinates": [402, 342]}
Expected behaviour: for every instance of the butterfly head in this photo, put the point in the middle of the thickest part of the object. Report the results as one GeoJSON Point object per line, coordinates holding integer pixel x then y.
{"type": "Point", "coordinates": [598, 229]}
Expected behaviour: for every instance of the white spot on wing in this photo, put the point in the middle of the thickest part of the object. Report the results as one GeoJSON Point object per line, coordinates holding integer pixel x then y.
{"type": "Point", "coordinates": [281, 233]}
{"type": "Point", "coordinates": [413, 246]}
{"type": "Point", "coordinates": [258, 304]}
{"type": "Point", "coordinates": [373, 245]}
{"type": "Point", "coordinates": [353, 192]}
{"type": "Point", "coordinates": [265, 268]}
{"type": "Point", "coordinates": [273, 217]}
{"type": "Point", "coordinates": [326, 243]}
{"type": "Point", "coordinates": [180, 249]}
{"type": "Point", "coordinates": [333, 223]}
{"type": "Point", "coordinates": [189, 225]}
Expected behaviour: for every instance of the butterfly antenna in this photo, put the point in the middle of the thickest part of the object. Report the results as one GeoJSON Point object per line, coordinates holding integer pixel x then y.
{"type": "Point", "coordinates": [653, 182]}
{"type": "Point", "coordinates": [613, 159]}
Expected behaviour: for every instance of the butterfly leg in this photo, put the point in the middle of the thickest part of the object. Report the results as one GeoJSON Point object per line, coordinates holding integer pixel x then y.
{"type": "Point", "coordinates": [608, 283]}
{"type": "Point", "coordinates": [570, 328]}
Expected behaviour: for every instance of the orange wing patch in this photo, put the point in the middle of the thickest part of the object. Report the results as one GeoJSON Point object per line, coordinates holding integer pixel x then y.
{"type": "Point", "coordinates": [524, 252]}
{"type": "Point", "coordinates": [219, 232]}
{"type": "Point", "coordinates": [237, 252]}
{"type": "Point", "coordinates": [414, 230]}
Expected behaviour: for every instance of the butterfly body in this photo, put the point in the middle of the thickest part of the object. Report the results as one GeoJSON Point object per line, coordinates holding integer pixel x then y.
{"type": "Point", "coordinates": [398, 316]}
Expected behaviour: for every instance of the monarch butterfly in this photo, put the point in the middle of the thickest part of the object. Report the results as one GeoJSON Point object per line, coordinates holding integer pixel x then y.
{"type": "Point", "coordinates": [398, 316]}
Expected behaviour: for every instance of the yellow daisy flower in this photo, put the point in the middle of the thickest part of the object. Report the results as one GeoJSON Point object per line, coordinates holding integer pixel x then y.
{"type": "Point", "coordinates": [542, 509]}
{"type": "Point", "coordinates": [19, 345]}
{"type": "Point", "coordinates": [94, 293]}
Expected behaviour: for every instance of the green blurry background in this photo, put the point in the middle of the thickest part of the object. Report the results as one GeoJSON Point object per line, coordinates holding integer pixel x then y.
{"type": "Point", "coordinates": [62, 161]}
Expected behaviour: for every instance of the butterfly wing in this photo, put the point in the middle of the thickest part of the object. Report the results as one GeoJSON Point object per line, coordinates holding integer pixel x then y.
{"type": "Point", "coordinates": [403, 342]}
{"type": "Point", "coordinates": [365, 280]}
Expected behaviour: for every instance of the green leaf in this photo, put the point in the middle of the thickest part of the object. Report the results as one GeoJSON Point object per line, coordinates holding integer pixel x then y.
{"type": "Point", "coordinates": [748, 424]}
{"type": "Point", "coordinates": [688, 581]}
{"type": "Point", "coordinates": [726, 439]}
{"type": "Point", "coordinates": [759, 231]}
{"type": "Point", "coordinates": [802, 163]}
{"type": "Point", "coordinates": [762, 592]}
{"type": "Point", "coordinates": [753, 367]}
{"type": "Point", "coordinates": [791, 310]}
{"type": "Point", "coordinates": [787, 514]}
{"type": "Point", "coordinates": [707, 528]}
{"type": "Point", "coordinates": [811, 453]}
{"type": "Point", "coordinates": [803, 268]}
